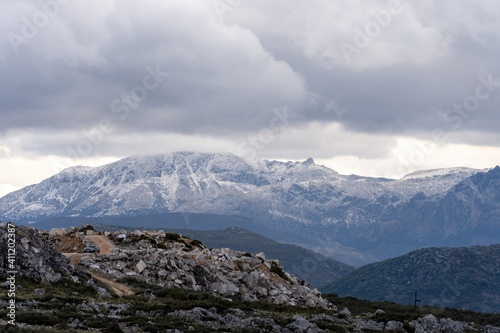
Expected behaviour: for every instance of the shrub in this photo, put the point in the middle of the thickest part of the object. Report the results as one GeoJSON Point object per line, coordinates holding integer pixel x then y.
{"type": "Point", "coordinates": [37, 318]}
{"type": "Point", "coordinates": [196, 242]}
{"type": "Point", "coordinates": [171, 236]}
{"type": "Point", "coordinates": [278, 270]}
{"type": "Point", "coordinates": [87, 228]}
{"type": "Point", "coordinates": [113, 327]}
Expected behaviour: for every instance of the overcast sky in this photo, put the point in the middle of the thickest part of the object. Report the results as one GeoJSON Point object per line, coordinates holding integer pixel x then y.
{"type": "Point", "coordinates": [377, 88]}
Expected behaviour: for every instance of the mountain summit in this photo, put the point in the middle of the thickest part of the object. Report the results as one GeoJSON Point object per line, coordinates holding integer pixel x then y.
{"type": "Point", "coordinates": [341, 214]}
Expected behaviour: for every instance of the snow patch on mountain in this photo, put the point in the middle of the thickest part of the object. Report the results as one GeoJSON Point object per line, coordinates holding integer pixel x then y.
{"type": "Point", "coordinates": [302, 192]}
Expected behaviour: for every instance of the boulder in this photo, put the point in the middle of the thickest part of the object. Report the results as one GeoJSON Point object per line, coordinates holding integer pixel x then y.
{"type": "Point", "coordinates": [261, 256]}
{"type": "Point", "coordinates": [394, 326]}
{"type": "Point", "coordinates": [218, 287]}
{"type": "Point", "coordinates": [140, 266]}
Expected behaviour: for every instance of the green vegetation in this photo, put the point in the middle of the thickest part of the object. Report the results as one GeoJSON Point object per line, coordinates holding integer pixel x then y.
{"type": "Point", "coordinates": [196, 242]}
{"type": "Point", "coordinates": [172, 236]}
{"type": "Point", "coordinates": [66, 298]}
{"type": "Point", "coordinates": [278, 270]}
{"type": "Point", "coordinates": [161, 246]}
{"type": "Point", "coordinates": [88, 227]}
{"type": "Point", "coordinates": [401, 313]}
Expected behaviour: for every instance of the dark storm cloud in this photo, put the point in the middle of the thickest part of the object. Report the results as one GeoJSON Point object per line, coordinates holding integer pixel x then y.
{"type": "Point", "coordinates": [427, 59]}
{"type": "Point", "coordinates": [70, 76]}
{"type": "Point", "coordinates": [228, 71]}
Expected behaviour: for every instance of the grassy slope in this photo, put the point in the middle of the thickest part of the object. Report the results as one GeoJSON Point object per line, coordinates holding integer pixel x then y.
{"type": "Point", "coordinates": [61, 305]}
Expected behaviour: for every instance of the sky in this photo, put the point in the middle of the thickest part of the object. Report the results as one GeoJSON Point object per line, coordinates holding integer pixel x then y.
{"type": "Point", "coordinates": [375, 88]}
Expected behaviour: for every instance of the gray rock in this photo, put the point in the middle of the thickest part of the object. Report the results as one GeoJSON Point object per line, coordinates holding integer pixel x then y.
{"type": "Point", "coordinates": [251, 280]}
{"type": "Point", "coordinates": [140, 266]}
{"type": "Point", "coordinates": [261, 256]}
{"type": "Point", "coordinates": [86, 260]}
{"type": "Point", "coordinates": [310, 301]}
{"type": "Point", "coordinates": [238, 312]}
{"type": "Point", "coordinates": [260, 291]}
{"type": "Point", "coordinates": [345, 311]}
{"type": "Point", "coordinates": [394, 326]}
{"type": "Point", "coordinates": [302, 325]}
{"type": "Point", "coordinates": [136, 257]}
{"type": "Point", "coordinates": [120, 256]}
{"type": "Point", "coordinates": [219, 287]}
{"type": "Point", "coordinates": [273, 292]}
{"type": "Point", "coordinates": [162, 274]}
{"type": "Point", "coordinates": [281, 299]}
{"type": "Point", "coordinates": [369, 324]}
{"type": "Point", "coordinates": [39, 291]}
{"type": "Point", "coordinates": [103, 293]}
{"type": "Point", "coordinates": [36, 257]}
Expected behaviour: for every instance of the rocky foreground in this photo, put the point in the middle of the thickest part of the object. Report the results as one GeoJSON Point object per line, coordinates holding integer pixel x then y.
{"type": "Point", "coordinates": [176, 284]}
{"type": "Point", "coordinates": [173, 261]}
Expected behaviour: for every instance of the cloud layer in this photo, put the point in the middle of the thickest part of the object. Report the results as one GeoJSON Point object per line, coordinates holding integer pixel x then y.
{"type": "Point", "coordinates": [114, 78]}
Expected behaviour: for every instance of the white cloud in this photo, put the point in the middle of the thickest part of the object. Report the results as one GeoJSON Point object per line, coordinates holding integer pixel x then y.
{"type": "Point", "coordinates": [19, 171]}
{"type": "Point", "coordinates": [411, 155]}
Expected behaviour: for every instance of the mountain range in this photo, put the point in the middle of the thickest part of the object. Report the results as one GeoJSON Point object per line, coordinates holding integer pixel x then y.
{"type": "Point", "coordinates": [351, 218]}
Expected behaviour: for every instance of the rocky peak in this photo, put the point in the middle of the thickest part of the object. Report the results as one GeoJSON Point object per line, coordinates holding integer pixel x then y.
{"type": "Point", "coordinates": [309, 161]}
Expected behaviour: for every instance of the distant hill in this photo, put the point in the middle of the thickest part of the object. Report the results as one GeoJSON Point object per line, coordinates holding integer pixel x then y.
{"type": "Point", "coordinates": [463, 278]}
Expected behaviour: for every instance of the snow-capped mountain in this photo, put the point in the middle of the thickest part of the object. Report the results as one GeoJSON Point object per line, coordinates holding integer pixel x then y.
{"type": "Point", "coordinates": [199, 182]}
{"type": "Point", "coordinates": [297, 197]}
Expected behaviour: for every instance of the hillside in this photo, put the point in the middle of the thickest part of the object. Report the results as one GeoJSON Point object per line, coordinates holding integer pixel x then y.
{"type": "Point", "coordinates": [463, 278]}
{"type": "Point", "coordinates": [153, 281]}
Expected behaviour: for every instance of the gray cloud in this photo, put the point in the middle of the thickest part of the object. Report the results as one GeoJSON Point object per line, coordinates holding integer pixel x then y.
{"type": "Point", "coordinates": [227, 74]}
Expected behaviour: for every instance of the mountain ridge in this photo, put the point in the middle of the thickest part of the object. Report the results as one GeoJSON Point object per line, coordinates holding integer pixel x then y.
{"type": "Point", "coordinates": [297, 197]}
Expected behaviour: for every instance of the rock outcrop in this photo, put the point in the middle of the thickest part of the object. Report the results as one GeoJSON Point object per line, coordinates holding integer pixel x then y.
{"type": "Point", "coordinates": [35, 257]}
{"type": "Point", "coordinates": [430, 323]}
{"type": "Point", "coordinates": [174, 261]}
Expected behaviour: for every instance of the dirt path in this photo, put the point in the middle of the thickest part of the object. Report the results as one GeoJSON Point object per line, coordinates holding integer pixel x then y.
{"type": "Point", "coordinates": [105, 245]}
{"type": "Point", "coordinates": [118, 288]}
